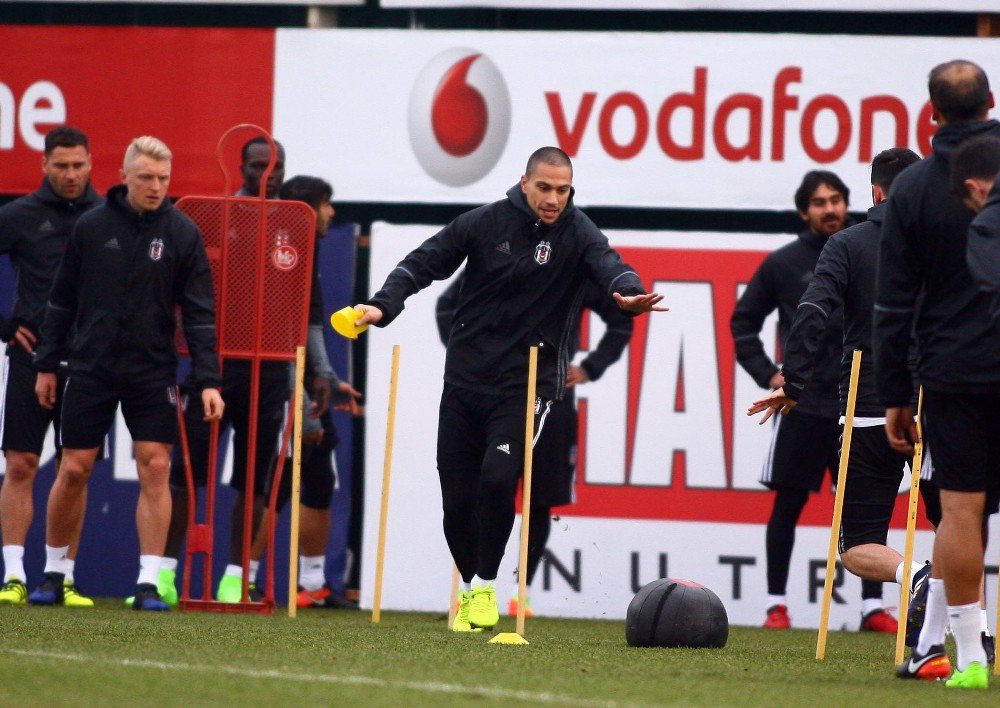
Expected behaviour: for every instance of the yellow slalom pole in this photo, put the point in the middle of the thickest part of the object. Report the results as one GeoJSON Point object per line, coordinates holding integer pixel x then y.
{"type": "Point", "coordinates": [522, 566]}
{"type": "Point", "coordinates": [386, 469]}
{"type": "Point", "coordinates": [911, 529]}
{"type": "Point", "coordinates": [293, 532]}
{"type": "Point", "coordinates": [453, 598]}
{"type": "Point", "coordinates": [838, 506]}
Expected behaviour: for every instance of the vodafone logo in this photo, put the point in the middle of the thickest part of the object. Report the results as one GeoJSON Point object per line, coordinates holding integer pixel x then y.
{"type": "Point", "coordinates": [459, 116]}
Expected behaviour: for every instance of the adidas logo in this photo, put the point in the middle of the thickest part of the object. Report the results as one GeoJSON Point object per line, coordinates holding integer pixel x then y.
{"type": "Point", "coordinates": [46, 226]}
{"type": "Point", "coordinates": [112, 243]}
{"type": "Point", "coordinates": [505, 448]}
{"type": "Point", "coordinates": [504, 247]}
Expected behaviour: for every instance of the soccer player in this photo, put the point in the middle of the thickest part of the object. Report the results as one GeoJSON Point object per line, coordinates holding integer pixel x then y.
{"type": "Point", "coordinates": [806, 441]}
{"type": "Point", "coordinates": [924, 285]}
{"type": "Point", "coordinates": [554, 460]}
{"type": "Point", "coordinates": [844, 281]}
{"type": "Point", "coordinates": [128, 264]}
{"type": "Point", "coordinates": [528, 257]}
{"type": "Point", "coordinates": [33, 233]}
{"type": "Point", "coordinates": [974, 171]}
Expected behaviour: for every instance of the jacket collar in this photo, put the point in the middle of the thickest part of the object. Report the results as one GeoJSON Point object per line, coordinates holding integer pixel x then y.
{"type": "Point", "coordinates": [516, 197]}
{"type": "Point", "coordinates": [118, 200]}
{"type": "Point", "coordinates": [49, 196]}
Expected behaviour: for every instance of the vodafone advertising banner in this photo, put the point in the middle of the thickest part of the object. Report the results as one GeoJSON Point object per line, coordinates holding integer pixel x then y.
{"type": "Point", "coordinates": [842, 6]}
{"type": "Point", "coordinates": [668, 460]}
{"type": "Point", "coordinates": [715, 121]}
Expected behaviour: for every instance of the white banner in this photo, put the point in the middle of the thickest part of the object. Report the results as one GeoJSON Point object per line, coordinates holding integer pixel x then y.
{"type": "Point", "coordinates": [668, 460]}
{"type": "Point", "coordinates": [753, 5]}
{"type": "Point", "coordinates": [713, 121]}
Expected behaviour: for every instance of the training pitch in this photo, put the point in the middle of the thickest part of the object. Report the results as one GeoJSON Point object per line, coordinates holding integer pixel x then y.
{"type": "Point", "coordinates": [113, 656]}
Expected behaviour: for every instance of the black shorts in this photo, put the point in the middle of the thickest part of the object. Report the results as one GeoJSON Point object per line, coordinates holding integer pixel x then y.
{"type": "Point", "coordinates": [272, 407]}
{"type": "Point", "coordinates": [963, 431]}
{"type": "Point", "coordinates": [477, 432]}
{"type": "Point", "coordinates": [803, 447]}
{"type": "Point", "coordinates": [553, 468]}
{"type": "Point", "coordinates": [874, 472]}
{"type": "Point", "coordinates": [89, 406]}
{"type": "Point", "coordinates": [24, 422]}
{"type": "Point", "coordinates": [318, 474]}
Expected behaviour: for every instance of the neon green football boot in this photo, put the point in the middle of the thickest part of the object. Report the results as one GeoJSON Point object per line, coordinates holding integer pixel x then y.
{"type": "Point", "coordinates": [461, 623]}
{"type": "Point", "coordinates": [230, 589]}
{"type": "Point", "coordinates": [483, 610]}
{"type": "Point", "coordinates": [14, 592]}
{"type": "Point", "coordinates": [975, 676]}
{"type": "Point", "coordinates": [72, 596]}
{"type": "Point", "coordinates": [166, 586]}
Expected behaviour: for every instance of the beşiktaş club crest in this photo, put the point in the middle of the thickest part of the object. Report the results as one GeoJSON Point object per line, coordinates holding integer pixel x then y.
{"type": "Point", "coordinates": [156, 249]}
{"type": "Point", "coordinates": [543, 252]}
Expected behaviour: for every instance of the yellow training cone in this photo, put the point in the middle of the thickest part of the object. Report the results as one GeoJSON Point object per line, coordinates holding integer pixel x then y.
{"type": "Point", "coordinates": [343, 322]}
{"type": "Point", "coordinates": [508, 638]}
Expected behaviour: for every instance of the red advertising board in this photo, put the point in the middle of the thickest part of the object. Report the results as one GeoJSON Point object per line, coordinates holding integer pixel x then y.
{"type": "Point", "coordinates": [186, 86]}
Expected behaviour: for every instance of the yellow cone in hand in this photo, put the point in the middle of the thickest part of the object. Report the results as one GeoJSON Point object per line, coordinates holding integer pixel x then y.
{"type": "Point", "coordinates": [508, 638]}
{"type": "Point", "coordinates": [343, 322]}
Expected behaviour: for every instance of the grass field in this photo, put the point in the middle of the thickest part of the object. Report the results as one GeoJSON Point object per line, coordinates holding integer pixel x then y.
{"type": "Point", "coordinates": [113, 656]}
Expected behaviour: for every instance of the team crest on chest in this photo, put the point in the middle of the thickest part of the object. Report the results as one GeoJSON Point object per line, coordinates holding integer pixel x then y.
{"type": "Point", "coordinates": [156, 249]}
{"type": "Point", "coordinates": [543, 252]}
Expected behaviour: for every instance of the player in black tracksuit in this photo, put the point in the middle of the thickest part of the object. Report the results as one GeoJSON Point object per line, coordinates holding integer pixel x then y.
{"type": "Point", "coordinates": [554, 460]}
{"type": "Point", "coordinates": [805, 442]}
{"type": "Point", "coordinates": [844, 281]}
{"type": "Point", "coordinates": [33, 234]}
{"type": "Point", "coordinates": [923, 255]}
{"type": "Point", "coordinates": [127, 266]}
{"type": "Point", "coordinates": [982, 253]}
{"type": "Point", "coordinates": [528, 257]}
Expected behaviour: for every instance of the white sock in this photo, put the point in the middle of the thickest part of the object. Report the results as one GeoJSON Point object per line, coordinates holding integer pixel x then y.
{"type": "Point", "coordinates": [914, 567]}
{"type": "Point", "coordinates": [233, 569]}
{"type": "Point", "coordinates": [149, 569]}
{"type": "Point", "coordinates": [466, 586]}
{"type": "Point", "coordinates": [773, 600]}
{"type": "Point", "coordinates": [13, 563]}
{"type": "Point", "coordinates": [870, 604]}
{"type": "Point", "coordinates": [984, 622]}
{"type": "Point", "coordinates": [70, 567]}
{"type": "Point", "coordinates": [964, 621]}
{"type": "Point", "coordinates": [312, 572]}
{"type": "Point", "coordinates": [478, 582]}
{"type": "Point", "coordinates": [936, 617]}
{"type": "Point", "coordinates": [168, 564]}
{"type": "Point", "coordinates": [56, 560]}
{"type": "Point", "coordinates": [254, 568]}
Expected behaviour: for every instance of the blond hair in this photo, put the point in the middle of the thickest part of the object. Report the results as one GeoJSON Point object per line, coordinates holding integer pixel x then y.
{"type": "Point", "coordinates": [150, 147]}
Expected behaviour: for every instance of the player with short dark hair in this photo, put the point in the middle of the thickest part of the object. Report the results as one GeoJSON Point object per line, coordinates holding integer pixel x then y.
{"type": "Point", "coordinates": [34, 231]}
{"type": "Point", "coordinates": [128, 264]}
{"type": "Point", "coordinates": [528, 257]}
{"type": "Point", "coordinates": [974, 170]}
{"type": "Point", "coordinates": [924, 286]}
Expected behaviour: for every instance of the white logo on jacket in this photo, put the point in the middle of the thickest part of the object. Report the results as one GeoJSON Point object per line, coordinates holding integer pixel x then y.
{"type": "Point", "coordinates": [543, 252]}
{"type": "Point", "coordinates": [156, 249]}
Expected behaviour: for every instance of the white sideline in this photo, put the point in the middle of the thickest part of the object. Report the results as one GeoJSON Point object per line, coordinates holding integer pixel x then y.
{"type": "Point", "coordinates": [426, 686]}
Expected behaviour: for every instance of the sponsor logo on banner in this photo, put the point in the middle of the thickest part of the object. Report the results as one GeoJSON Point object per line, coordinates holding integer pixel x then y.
{"type": "Point", "coordinates": [285, 257]}
{"type": "Point", "coordinates": [459, 116]}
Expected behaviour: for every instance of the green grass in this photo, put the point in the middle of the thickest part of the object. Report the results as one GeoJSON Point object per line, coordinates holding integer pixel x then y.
{"type": "Point", "coordinates": [113, 656]}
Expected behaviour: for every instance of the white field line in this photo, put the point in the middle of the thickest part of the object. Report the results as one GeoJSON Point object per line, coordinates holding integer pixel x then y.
{"type": "Point", "coordinates": [425, 686]}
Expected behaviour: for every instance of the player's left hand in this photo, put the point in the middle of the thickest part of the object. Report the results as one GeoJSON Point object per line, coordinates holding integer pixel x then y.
{"type": "Point", "coordinates": [346, 399]}
{"type": "Point", "coordinates": [320, 393]}
{"type": "Point", "coordinates": [576, 375]}
{"type": "Point", "coordinates": [25, 338]}
{"type": "Point", "coordinates": [640, 303]}
{"type": "Point", "coordinates": [211, 400]}
{"type": "Point", "coordinates": [774, 401]}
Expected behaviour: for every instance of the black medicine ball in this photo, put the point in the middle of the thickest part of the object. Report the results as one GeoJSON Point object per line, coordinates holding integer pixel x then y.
{"type": "Point", "coordinates": [676, 613]}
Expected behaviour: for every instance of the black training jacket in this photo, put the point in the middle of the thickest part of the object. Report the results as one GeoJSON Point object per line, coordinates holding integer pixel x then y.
{"type": "Point", "coordinates": [33, 232]}
{"type": "Point", "coordinates": [608, 350]}
{"type": "Point", "coordinates": [982, 253]}
{"type": "Point", "coordinates": [121, 276]}
{"type": "Point", "coordinates": [524, 286]}
{"type": "Point", "coordinates": [923, 250]}
{"type": "Point", "coordinates": [844, 278]}
{"type": "Point", "coordinates": [779, 284]}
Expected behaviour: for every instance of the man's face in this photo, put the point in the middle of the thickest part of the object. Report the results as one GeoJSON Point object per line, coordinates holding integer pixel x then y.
{"type": "Point", "coordinates": [324, 215]}
{"type": "Point", "coordinates": [258, 155]}
{"type": "Point", "coordinates": [826, 212]}
{"type": "Point", "coordinates": [546, 190]}
{"type": "Point", "coordinates": [68, 170]}
{"type": "Point", "coordinates": [977, 192]}
{"type": "Point", "coordinates": [146, 180]}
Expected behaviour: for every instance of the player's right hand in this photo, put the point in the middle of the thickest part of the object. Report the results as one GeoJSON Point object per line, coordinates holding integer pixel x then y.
{"type": "Point", "coordinates": [901, 429]}
{"type": "Point", "coordinates": [774, 401]}
{"type": "Point", "coordinates": [211, 400]}
{"type": "Point", "coordinates": [25, 338]}
{"type": "Point", "coordinates": [371, 315]}
{"type": "Point", "coordinates": [45, 389]}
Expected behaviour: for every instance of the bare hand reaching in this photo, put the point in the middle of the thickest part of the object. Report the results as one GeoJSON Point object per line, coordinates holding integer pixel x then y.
{"type": "Point", "coordinates": [640, 303]}
{"type": "Point", "coordinates": [774, 401]}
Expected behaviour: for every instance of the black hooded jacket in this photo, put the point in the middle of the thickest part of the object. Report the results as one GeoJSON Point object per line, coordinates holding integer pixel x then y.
{"type": "Point", "coordinates": [779, 284]}
{"type": "Point", "coordinates": [33, 232]}
{"type": "Point", "coordinates": [982, 253]}
{"type": "Point", "coordinates": [117, 285]}
{"type": "Point", "coordinates": [524, 286]}
{"type": "Point", "coordinates": [923, 250]}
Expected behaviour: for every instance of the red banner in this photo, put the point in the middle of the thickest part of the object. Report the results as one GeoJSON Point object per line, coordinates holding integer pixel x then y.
{"type": "Point", "coordinates": [185, 86]}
